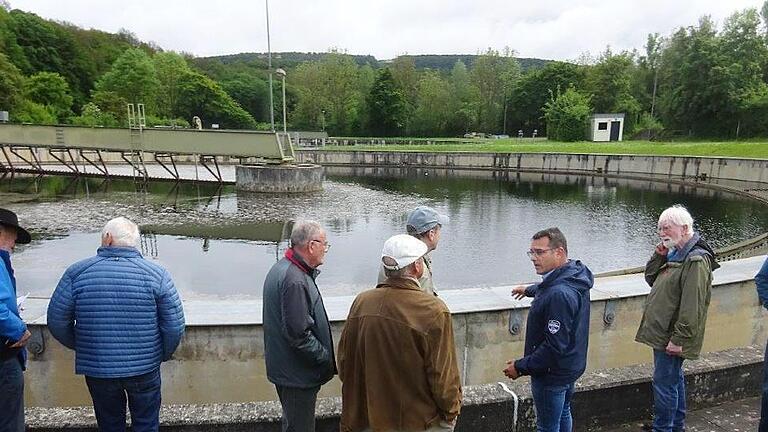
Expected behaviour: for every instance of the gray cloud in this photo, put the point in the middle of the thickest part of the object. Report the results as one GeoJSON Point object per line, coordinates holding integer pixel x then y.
{"type": "Point", "coordinates": [555, 29]}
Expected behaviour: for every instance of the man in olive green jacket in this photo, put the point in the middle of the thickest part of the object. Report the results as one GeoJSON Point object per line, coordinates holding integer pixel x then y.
{"type": "Point", "coordinates": [680, 275]}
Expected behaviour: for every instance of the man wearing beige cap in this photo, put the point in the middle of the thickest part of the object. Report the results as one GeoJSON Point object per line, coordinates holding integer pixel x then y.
{"type": "Point", "coordinates": [425, 224]}
{"type": "Point", "coordinates": [397, 358]}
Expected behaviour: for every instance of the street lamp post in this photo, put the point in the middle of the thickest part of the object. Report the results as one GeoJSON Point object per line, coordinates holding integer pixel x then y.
{"type": "Point", "coordinates": [281, 73]}
{"type": "Point", "coordinates": [269, 66]}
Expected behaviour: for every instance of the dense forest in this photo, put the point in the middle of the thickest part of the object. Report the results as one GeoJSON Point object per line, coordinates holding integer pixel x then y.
{"type": "Point", "coordinates": [704, 80]}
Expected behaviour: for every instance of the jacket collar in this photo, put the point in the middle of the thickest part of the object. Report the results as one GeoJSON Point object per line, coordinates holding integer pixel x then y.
{"type": "Point", "coordinates": [297, 260]}
{"type": "Point", "coordinates": [681, 254]}
{"type": "Point", "coordinates": [6, 257]}
{"type": "Point", "coordinates": [555, 273]}
{"type": "Point", "coordinates": [573, 270]}
{"type": "Point", "coordinates": [695, 246]}
{"type": "Point", "coordinates": [401, 283]}
{"type": "Point", "coordinates": [118, 252]}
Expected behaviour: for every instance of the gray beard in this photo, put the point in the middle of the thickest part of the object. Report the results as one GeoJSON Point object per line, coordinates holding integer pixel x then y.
{"type": "Point", "coordinates": [669, 243]}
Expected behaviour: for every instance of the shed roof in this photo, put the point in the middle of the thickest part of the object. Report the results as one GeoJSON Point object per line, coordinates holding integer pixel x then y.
{"type": "Point", "coordinates": [614, 115]}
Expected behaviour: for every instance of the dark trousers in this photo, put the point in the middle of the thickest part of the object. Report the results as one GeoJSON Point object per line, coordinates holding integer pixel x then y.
{"type": "Point", "coordinates": [11, 395]}
{"type": "Point", "coordinates": [142, 394]}
{"type": "Point", "coordinates": [764, 407]}
{"type": "Point", "coordinates": [298, 408]}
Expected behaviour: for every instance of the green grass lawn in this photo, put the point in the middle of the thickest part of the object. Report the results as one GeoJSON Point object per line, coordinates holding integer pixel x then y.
{"type": "Point", "coordinates": [741, 149]}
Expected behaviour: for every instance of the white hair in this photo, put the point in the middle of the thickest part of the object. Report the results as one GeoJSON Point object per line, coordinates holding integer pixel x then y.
{"type": "Point", "coordinates": [399, 273]}
{"type": "Point", "coordinates": [124, 232]}
{"type": "Point", "coordinates": [677, 215]}
{"type": "Point", "coordinates": [303, 231]}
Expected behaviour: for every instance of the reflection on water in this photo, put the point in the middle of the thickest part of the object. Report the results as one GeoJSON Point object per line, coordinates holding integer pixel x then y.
{"type": "Point", "coordinates": [217, 242]}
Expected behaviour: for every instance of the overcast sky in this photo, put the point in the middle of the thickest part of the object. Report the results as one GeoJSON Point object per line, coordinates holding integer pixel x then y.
{"type": "Point", "coordinates": [550, 29]}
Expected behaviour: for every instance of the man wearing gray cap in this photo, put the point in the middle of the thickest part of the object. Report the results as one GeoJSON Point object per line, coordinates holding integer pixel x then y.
{"type": "Point", "coordinates": [397, 356]}
{"type": "Point", "coordinates": [425, 224]}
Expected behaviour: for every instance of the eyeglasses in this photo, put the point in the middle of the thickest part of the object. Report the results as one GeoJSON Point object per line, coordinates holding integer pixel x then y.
{"type": "Point", "coordinates": [537, 252]}
{"type": "Point", "coordinates": [325, 244]}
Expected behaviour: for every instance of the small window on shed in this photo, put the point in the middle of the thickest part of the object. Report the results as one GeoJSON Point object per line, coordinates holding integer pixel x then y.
{"type": "Point", "coordinates": [602, 126]}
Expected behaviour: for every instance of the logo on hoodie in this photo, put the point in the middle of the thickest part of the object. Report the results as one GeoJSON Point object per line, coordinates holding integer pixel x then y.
{"type": "Point", "coordinates": [553, 326]}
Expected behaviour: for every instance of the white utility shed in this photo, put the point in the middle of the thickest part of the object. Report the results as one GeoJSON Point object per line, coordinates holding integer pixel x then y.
{"type": "Point", "coordinates": [606, 127]}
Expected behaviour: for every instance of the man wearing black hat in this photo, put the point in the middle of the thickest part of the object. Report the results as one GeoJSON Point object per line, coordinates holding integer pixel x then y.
{"type": "Point", "coordinates": [13, 332]}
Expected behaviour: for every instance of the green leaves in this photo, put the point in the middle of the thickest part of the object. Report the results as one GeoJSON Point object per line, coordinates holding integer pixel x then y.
{"type": "Point", "coordinates": [133, 78]}
{"type": "Point", "coordinates": [567, 114]}
{"type": "Point", "coordinates": [10, 84]}
{"type": "Point", "coordinates": [93, 116]}
{"type": "Point", "coordinates": [534, 89]}
{"type": "Point", "coordinates": [387, 106]}
{"type": "Point", "coordinates": [52, 90]}
{"type": "Point", "coordinates": [708, 78]}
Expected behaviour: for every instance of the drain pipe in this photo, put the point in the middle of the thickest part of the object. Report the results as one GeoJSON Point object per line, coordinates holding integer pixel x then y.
{"type": "Point", "coordinates": [466, 353]}
{"type": "Point", "coordinates": [515, 404]}
{"type": "Point", "coordinates": [464, 367]}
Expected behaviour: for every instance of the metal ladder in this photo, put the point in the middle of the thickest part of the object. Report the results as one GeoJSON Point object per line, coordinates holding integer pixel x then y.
{"type": "Point", "coordinates": [136, 123]}
{"type": "Point", "coordinates": [286, 148]}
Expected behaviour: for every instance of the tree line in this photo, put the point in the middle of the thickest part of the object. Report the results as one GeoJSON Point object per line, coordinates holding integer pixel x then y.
{"type": "Point", "coordinates": [703, 80]}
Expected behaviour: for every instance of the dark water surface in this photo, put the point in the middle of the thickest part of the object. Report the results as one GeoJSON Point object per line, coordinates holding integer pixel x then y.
{"type": "Point", "coordinates": [219, 243]}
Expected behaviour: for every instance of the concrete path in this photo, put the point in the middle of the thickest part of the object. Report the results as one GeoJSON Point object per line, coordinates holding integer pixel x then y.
{"type": "Point", "coordinates": [739, 416]}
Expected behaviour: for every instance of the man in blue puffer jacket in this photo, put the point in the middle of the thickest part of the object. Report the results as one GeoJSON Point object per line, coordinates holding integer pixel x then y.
{"type": "Point", "coordinates": [557, 331]}
{"type": "Point", "coordinates": [123, 317]}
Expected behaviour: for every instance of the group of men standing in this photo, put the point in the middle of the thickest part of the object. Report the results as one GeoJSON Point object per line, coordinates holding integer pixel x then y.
{"type": "Point", "coordinates": [397, 358]}
{"type": "Point", "coordinates": [557, 334]}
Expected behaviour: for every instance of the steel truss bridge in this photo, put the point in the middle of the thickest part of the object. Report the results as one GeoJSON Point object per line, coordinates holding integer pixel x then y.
{"type": "Point", "coordinates": [98, 146]}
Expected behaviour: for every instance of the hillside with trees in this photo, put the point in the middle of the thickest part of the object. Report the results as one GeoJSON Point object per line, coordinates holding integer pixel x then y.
{"type": "Point", "coordinates": [702, 80]}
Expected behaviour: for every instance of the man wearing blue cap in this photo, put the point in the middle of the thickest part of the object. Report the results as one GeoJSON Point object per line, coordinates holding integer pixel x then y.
{"type": "Point", "coordinates": [425, 224]}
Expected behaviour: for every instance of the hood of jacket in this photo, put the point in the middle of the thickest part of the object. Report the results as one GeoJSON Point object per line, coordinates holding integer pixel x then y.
{"type": "Point", "coordinates": [695, 246]}
{"type": "Point", "coordinates": [573, 273]}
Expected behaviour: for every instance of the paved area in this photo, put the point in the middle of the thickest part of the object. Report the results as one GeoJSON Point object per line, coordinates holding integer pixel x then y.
{"type": "Point", "coordinates": [739, 416]}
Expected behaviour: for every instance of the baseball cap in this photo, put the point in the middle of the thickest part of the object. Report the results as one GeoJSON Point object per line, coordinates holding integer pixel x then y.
{"type": "Point", "coordinates": [423, 219]}
{"type": "Point", "coordinates": [403, 249]}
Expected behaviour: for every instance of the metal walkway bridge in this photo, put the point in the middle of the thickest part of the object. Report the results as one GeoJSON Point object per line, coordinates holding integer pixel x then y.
{"type": "Point", "coordinates": [97, 146]}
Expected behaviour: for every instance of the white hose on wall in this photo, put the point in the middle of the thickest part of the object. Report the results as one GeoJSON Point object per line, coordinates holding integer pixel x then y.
{"type": "Point", "coordinates": [515, 402]}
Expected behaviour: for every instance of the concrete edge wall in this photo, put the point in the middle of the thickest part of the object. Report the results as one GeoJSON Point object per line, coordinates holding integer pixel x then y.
{"type": "Point", "coordinates": [751, 170]}
{"type": "Point", "coordinates": [221, 363]}
{"type": "Point", "coordinates": [603, 397]}
{"type": "Point", "coordinates": [205, 313]}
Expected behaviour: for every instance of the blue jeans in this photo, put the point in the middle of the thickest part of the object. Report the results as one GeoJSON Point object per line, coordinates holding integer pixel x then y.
{"type": "Point", "coordinates": [298, 408]}
{"type": "Point", "coordinates": [764, 408]}
{"type": "Point", "coordinates": [11, 396]}
{"type": "Point", "coordinates": [553, 406]}
{"type": "Point", "coordinates": [668, 392]}
{"type": "Point", "coordinates": [142, 394]}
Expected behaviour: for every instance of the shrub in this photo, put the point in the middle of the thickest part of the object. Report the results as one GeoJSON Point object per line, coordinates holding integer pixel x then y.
{"type": "Point", "coordinates": [567, 116]}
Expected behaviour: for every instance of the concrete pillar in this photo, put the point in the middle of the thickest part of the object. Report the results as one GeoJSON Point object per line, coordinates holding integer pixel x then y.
{"type": "Point", "coordinates": [279, 178]}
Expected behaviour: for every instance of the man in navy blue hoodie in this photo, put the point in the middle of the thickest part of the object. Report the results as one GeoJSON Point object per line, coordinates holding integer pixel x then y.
{"type": "Point", "coordinates": [557, 331]}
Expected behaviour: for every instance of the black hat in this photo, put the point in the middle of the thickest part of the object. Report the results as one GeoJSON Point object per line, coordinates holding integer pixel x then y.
{"type": "Point", "coordinates": [8, 218]}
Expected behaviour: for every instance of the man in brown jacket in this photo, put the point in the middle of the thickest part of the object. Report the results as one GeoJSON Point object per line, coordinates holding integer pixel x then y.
{"type": "Point", "coordinates": [397, 358]}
